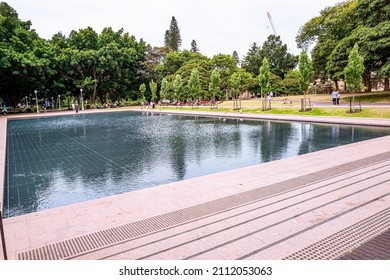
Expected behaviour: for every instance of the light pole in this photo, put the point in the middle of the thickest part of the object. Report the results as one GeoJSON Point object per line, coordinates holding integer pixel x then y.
{"type": "Point", "coordinates": [26, 102]}
{"type": "Point", "coordinates": [81, 99]}
{"type": "Point", "coordinates": [59, 102]}
{"type": "Point", "coordinates": [36, 100]}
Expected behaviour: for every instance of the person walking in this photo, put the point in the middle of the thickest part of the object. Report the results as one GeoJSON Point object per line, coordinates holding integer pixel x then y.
{"type": "Point", "coordinates": [338, 98]}
{"type": "Point", "coordinates": [334, 97]}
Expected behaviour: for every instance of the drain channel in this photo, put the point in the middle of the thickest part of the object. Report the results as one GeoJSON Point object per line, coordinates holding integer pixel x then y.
{"type": "Point", "coordinates": [367, 239]}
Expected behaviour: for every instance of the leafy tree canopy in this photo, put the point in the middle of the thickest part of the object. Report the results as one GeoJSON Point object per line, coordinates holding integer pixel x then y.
{"type": "Point", "coordinates": [335, 31]}
{"type": "Point", "coordinates": [280, 60]}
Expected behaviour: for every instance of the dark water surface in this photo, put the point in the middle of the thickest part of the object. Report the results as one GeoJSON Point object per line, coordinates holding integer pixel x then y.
{"type": "Point", "coordinates": [57, 161]}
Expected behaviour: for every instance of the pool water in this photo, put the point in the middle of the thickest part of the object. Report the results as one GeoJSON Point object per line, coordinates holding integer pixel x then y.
{"type": "Point", "coordinates": [58, 161]}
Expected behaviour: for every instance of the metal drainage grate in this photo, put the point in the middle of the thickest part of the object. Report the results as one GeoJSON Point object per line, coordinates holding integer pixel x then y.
{"type": "Point", "coordinates": [377, 248]}
{"type": "Point", "coordinates": [371, 234]}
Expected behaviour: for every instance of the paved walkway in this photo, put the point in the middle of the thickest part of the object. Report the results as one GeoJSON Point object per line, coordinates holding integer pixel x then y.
{"type": "Point", "coordinates": [323, 205]}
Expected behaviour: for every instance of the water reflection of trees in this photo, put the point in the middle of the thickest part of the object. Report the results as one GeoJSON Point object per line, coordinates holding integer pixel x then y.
{"type": "Point", "coordinates": [318, 137]}
{"type": "Point", "coordinates": [271, 139]}
{"type": "Point", "coordinates": [177, 153]}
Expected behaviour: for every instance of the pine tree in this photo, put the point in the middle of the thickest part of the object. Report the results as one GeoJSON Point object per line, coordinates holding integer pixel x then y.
{"type": "Point", "coordinates": [172, 37]}
{"type": "Point", "coordinates": [236, 57]}
{"type": "Point", "coordinates": [167, 38]}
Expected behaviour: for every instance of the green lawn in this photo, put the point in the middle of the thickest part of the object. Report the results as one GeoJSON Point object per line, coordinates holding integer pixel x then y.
{"type": "Point", "coordinates": [336, 112]}
{"type": "Point", "coordinates": [253, 106]}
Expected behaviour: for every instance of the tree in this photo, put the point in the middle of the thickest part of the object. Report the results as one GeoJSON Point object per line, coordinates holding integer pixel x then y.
{"type": "Point", "coordinates": [226, 66]}
{"type": "Point", "coordinates": [26, 61]}
{"type": "Point", "coordinates": [142, 89]}
{"type": "Point", "coordinates": [108, 63]}
{"type": "Point", "coordinates": [154, 58]}
{"type": "Point", "coordinates": [374, 45]}
{"type": "Point", "coordinates": [325, 31]}
{"type": "Point", "coordinates": [194, 47]}
{"type": "Point", "coordinates": [178, 87]}
{"type": "Point", "coordinates": [214, 85]}
{"type": "Point", "coordinates": [194, 84]}
{"type": "Point", "coordinates": [204, 69]}
{"type": "Point", "coordinates": [172, 36]}
{"type": "Point", "coordinates": [280, 61]}
{"type": "Point", "coordinates": [353, 72]}
{"type": "Point", "coordinates": [371, 13]}
{"type": "Point", "coordinates": [164, 91]}
{"type": "Point", "coordinates": [248, 81]}
{"type": "Point", "coordinates": [236, 57]}
{"type": "Point", "coordinates": [153, 89]}
{"type": "Point", "coordinates": [339, 27]}
{"type": "Point", "coordinates": [305, 69]}
{"type": "Point", "coordinates": [290, 82]}
{"type": "Point", "coordinates": [264, 78]}
{"type": "Point", "coordinates": [235, 83]}
{"type": "Point", "coordinates": [173, 61]}
{"type": "Point", "coordinates": [334, 22]}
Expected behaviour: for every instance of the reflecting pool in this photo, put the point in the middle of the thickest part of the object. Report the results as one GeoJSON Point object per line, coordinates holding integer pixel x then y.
{"type": "Point", "coordinates": [57, 161]}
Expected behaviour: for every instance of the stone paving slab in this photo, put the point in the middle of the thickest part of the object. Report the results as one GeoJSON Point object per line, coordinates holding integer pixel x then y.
{"type": "Point", "coordinates": [231, 232]}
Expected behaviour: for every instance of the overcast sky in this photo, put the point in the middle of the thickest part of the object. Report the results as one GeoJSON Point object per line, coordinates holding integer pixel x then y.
{"type": "Point", "coordinates": [218, 26]}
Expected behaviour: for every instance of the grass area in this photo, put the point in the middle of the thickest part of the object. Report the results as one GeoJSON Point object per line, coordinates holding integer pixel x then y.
{"type": "Point", "coordinates": [381, 97]}
{"type": "Point", "coordinates": [370, 97]}
{"type": "Point", "coordinates": [253, 106]}
{"type": "Point", "coordinates": [335, 112]}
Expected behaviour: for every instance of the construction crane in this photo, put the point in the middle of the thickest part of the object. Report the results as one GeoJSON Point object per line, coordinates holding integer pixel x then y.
{"type": "Point", "coordinates": [272, 24]}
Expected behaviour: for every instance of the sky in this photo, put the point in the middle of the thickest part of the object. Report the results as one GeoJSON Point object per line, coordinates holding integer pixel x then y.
{"type": "Point", "coordinates": [217, 26]}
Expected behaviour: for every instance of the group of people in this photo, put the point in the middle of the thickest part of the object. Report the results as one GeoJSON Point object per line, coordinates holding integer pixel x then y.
{"type": "Point", "coordinates": [75, 106]}
{"type": "Point", "coordinates": [146, 104]}
{"type": "Point", "coordinates": [335, 97]}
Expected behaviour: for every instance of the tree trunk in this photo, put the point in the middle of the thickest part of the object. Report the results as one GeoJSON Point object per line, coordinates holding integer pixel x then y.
{"type": "Point", "coordinates": [367, 82]}
{"type": "Point", "coordinates": [337, 84]}
{"type": "Point", "coordinates": [386, 84]}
